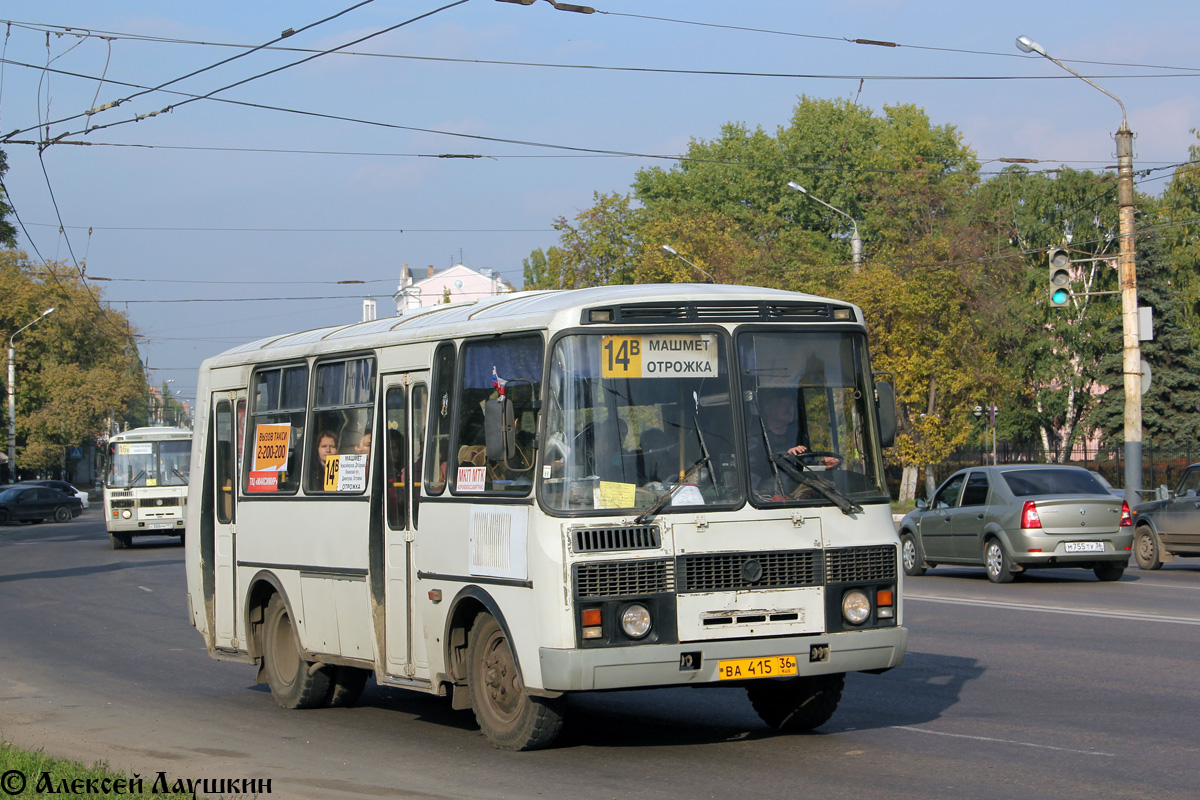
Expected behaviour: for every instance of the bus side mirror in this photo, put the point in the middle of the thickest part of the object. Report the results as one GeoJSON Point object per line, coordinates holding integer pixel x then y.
{"type": "Point", "coordinates": [499, 429]}
{"type": "Point", "coordinates": [885, 399]}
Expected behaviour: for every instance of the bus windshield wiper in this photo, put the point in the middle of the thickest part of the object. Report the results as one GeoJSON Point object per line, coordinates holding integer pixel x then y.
{"type": "Point", "coordinates": [646, 515]}
{"type": "Point", "coordinates": [822, 486]}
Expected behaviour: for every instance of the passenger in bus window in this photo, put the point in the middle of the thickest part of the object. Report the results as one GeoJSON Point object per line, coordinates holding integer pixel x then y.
{"type": "Point", "coordinates": [326, 446]}
{"type": "Point", "coordinates": [364, 444]}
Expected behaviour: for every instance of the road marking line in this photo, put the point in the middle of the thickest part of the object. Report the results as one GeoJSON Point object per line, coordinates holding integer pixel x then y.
{"type": "Point", "coordinates": [1005, 741]}
{"type": "Point", "coordinates": [1081, 612]}
{"type": "Point", "coordinates": [144, 589]}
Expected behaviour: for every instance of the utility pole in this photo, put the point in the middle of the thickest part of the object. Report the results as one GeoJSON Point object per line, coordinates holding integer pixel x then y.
{"type": "Point", "coordinates": [1131, 351]}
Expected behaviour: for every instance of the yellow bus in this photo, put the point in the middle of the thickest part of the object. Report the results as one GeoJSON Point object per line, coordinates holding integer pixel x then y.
{"type": "Point", "coordinates": [512, 500]}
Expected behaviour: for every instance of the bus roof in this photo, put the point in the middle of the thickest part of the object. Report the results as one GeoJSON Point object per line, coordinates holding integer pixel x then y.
{"type": "Point", "coordinates": [151, 433]}
{"type": "Point", "coordinates": [533, 310]}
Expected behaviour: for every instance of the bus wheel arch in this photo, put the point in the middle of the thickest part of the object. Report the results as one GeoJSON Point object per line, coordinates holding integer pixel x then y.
{"type": "Point", "coordinates": [262, 587]}
{"type": "Point", "coordinates": [465, 608]}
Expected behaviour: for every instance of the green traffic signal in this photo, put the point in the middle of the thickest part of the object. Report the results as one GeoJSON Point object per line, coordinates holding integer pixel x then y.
{"type": "Point", "coordinates": [1060, 277]}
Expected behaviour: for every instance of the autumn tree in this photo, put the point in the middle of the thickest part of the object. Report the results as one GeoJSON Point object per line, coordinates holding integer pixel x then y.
{"type": "Point", "coordinates": [74, 369]}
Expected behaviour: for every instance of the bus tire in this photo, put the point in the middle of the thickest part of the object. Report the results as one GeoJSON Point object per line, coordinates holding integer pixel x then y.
{"type": "Point", "coordinates": [119, 540]}
{"type": "Point", "coordinates": [509, 717]}
{"type": "Point", "coordinates": [293, 682]}
{"type": "Point", "coordinates": [346, 685]}
{"type": "Point", "coordinates": [62, 514]}
{"type": "Point", "coordinates": [796, 704]}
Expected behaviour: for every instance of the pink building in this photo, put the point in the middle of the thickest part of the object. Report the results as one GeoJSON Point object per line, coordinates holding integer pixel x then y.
{"type": "Point", "coordinates": [457, 283]}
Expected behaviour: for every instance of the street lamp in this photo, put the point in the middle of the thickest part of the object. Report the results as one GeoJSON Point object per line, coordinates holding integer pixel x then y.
{"type": "Point", "coordinates": [990, 410]}
{"type": "Point", "coordinates": [12, 396]}
{"type": "Point", "coordinates": [855, 242]}
{"type": "Point", "coordinates": [1131, 360]}
{"type": "Point", "coordinates": [672, 251]}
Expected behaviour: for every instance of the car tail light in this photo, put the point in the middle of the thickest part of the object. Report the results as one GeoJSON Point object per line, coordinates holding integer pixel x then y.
{"type": "Point", "coordinates": [1126, 517]}
{"type": "Point", "coordinates": [1029, 515]}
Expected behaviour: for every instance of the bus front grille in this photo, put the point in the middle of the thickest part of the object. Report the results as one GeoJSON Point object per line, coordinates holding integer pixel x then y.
{"type": "Point", "coordinates": [159, 502]}
{"type": "Point", "coordinates": [627, 537]}
{"type": "Point", "coordinates": [719, 572]}
{"type": "Point", "coordinates": [860, 564]}
{"type": "Point", "coordinates": [623, 578]}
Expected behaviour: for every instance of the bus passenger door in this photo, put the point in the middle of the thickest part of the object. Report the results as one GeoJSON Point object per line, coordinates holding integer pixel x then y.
{"type": "Point", "coordinates": [405, 401]}
{"type": "Point", "coordinates": [229, 414]}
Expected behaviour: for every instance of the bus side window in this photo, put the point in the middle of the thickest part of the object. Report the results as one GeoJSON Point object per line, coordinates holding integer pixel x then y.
{"type": "Point", "coordinates": [438, 460]}
{"type": "Point", "coordinates": [280, 396]}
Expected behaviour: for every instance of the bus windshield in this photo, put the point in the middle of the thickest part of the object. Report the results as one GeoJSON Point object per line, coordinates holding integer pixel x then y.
{"type": "Point", "coordinates": [810, 438]}
{"type": "Point", "coordinates": [154, 463]}
{"type": "Point", "coordinates": [636, 422]}
{"type": "Point", "coordinates": [634, 417]}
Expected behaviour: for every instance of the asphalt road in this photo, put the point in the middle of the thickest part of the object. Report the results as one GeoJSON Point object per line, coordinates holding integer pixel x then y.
{"type": "Point", "coordinates": [1056, 686]}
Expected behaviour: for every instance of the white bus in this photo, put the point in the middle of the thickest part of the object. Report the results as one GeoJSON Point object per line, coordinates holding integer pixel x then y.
{"type": "Point", "coordinates": [512, 500]}
{"type": "Point", "coordinates": [146, 486]}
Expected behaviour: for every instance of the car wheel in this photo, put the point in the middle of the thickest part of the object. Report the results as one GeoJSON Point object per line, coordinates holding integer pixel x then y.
{"type": "Point", "coordinates": [510, 717]}
{"type": "Point", "coordinates": [293, 682]}
{"type": "Point", "coordinates": [1109, 571]}
{"type": "Point", "coordinates": [796, 704]}
{"type": "Point", "coordinates": [62, 514]}
{"type": "Point", "coordinates": [1145, 549]}
{"type": "Point", "coordinates": [910, 556]}
{"type": "Point", "coordinates": [3, 517]}
{"type": "Point", "coordinates": [997, 562]}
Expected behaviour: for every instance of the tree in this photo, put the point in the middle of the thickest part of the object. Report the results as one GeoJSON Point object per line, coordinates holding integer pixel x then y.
{"type": "Point", "coordinates": [8, 234]}
{"type": "Point", "coordinates": [74, 369]}
{"type": "Point", "coordinates": [543, 269]}
{"type": "Point", "coordinates": [603, 246]}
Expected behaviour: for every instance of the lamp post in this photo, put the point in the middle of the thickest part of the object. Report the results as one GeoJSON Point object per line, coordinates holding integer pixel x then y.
{"type": "Point", "coordinates": [672, 251]}
{"type": "Point", "coordinates": [12, 395]}
{"type": "Point", "coordinates": [855, 241]}
{"type": "Point", "coordinates": [990, 410]}
{"type": "Point", "coordinates": [1131, 359]}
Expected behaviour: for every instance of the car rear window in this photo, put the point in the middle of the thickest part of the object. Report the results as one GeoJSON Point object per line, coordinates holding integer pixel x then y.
{"type": "Point", "coordinates": [1051, 481]}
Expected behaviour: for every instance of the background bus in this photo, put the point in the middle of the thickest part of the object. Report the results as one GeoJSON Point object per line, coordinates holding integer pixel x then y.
{"type": "Point", "coordinates": [512, 500]}
{"type": "Point", "coordinates": [145, 487]}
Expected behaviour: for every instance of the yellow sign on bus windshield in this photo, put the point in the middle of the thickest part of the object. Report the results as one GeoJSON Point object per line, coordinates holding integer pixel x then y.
{"type": "Point", "coordinates": [659, 356]}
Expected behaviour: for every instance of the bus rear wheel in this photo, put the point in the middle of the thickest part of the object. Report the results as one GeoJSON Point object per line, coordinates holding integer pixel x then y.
{"type": "Point", "coordinates": [510, 717]}
{"type": "Point", "coordinates": [797, 704]}
{"type": "Point", "coordinates": [293, 681]}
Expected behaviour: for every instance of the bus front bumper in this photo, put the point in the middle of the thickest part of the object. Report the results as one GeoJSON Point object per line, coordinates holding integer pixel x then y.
{"type": "Point", "coordinates": [696, 662]}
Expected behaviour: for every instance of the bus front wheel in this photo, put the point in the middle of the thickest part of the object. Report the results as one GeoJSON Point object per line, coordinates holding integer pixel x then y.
{"type": "Point", "coordinates": [796, 704]}
{"type": "Point", "coordinates": [510, 717]}
{"type": "Point", "coordinates": [293, 682]}
{"type": "Point", "coordinates": [120, 540]}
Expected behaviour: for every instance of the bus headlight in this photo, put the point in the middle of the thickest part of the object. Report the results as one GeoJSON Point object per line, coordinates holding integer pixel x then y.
{"type": "Point", "coordinates": [856, 606]}
{"type": "Point", "coordinates": [635, 621]}
{"type": "Point", "coordinates": [126, 514]}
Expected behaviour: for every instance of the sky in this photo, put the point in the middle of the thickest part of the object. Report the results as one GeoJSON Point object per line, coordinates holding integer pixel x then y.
{"type": "Point", "coordinates": [233, 217]}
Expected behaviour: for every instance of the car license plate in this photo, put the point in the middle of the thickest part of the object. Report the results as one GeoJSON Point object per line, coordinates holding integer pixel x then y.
{"type": "Point", "coordinates": [1084, 547]}
{"type": "Point", "coordinates": [769, 667]}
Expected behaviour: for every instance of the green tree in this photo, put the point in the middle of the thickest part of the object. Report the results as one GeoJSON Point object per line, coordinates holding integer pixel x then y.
{"type": "Point", "coordinates": [603, 246]}
{"type": "Point", "coordinates": [74, 369]}
{"type": "Point", "coordinates": [8, 234]}
{"type": "Point", "coordinates": [543, 269]}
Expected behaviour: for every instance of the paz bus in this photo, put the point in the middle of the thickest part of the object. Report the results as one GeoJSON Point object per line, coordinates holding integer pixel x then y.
{"type": "Point", "coordinates": [512, 500]}
{"type": "Point", "coordinates": [146, 487]}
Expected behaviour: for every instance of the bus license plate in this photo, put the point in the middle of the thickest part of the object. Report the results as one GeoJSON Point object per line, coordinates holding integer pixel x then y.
{"type": "Point", "coordinates": [160, 525]}
{"type": "Point", "coordinates": [769, 667]}
{"type": "Point", "coordinates": [1084, 547]}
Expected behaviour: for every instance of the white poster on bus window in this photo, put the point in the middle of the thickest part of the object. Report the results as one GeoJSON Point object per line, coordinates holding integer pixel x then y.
{"type": "Point", "coordinates": [688, 355]}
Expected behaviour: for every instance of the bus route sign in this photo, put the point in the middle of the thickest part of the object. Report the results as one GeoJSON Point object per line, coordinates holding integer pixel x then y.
{"type": "Point", "coordinates": [659, 356]}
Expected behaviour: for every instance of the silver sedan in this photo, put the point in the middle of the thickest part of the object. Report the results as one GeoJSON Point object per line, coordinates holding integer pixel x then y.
{"type": "Point", "coordinates": [1015, 517]}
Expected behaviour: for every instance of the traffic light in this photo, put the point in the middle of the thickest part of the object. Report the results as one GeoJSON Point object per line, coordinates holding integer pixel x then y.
{"type": "Point", "coordinates": [1060, 277]}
